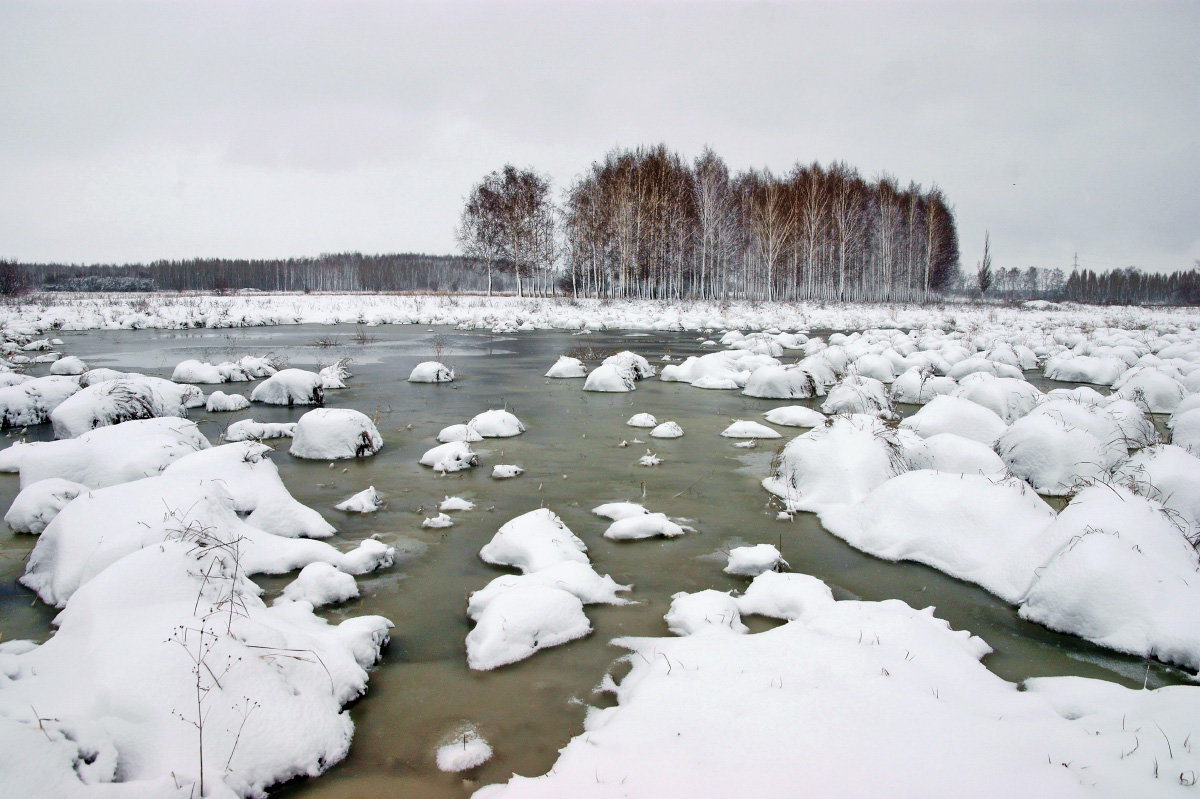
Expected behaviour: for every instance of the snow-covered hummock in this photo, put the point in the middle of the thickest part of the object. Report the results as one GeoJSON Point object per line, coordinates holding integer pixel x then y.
{"type": "Point", "coordinates": [649, 459]}
{"type": "Point", "coordinates": [245, 470]}
{"type": "Point", "coordinates": [250, 430]}
{"type": "Point", "coordinates": [70, 365]}
{"type": "Point", "coordinates": [1185, 430]}
{"type": "Point", "coordinates": [504, 471]}
{"type": "Point", "coordinates": [608, 377]}
{"type": "Point", "coordinates": [989, 532]}
{"type": "Point", "coordinates": [110, 686]}
{"type": "Point", "coordinates": [366, 501]}
{"type": "Point", "coordinates": [39, 503]}
{"type": "Point", "coordinates": [453, 456]}
{"type": "Point", "coordinates": [220, 401]}
{"type": "Point", "coordinates": [1010, 398]}
{"type": "Point", "coordinates": [515, 616]}
{"type": "Point", "coordinates": [1153, 389]}
{"type": "Point", "coordinates": [919, 385]}
{"type": "Point", "coordinates": [566, 367]}
{"type": "Point", "coordinates": [882, 676]}
{"type": "Point", "coordinates": [875, 366]}
{"type": "Point", "coordinates": [290, 387]}
{"type": "Point", "coordinates": [1070, 368]}
{"type": "Point", "coordinates": [1055, 457]}
{"type": "Point", "coordinates": [783, 595]}
{"type": "Point", "coordinates": [752, 561]}
{"type": "Point", "coordinates": [8, 378]}
{"type": "Point", "coordinates": [1170, 476]}
{"type": "Point", "coordinates": [122, 400]}
{"type": "Point", "coordinates": [1126, 580]}
{"type": "Point", "coordinates": [949, 414]}
{"type": "Point", "coordinates": [630, 363]}
{"type": "Point", "coordinates": [439, 521]}
{"type": "Point", "coordinates": [458, 432]}
{"type": "Point", "coordinates": [193, 371]}
{"type": "Point", "coordinates": [783, 382]}
{"type": "Point", "coordinates": [335, 433]}
{"type": "Point", "coordinates": [1132, 422]}
{"type": "Point", "coordinates": [107, 455]}
{"type": "Point", "coordinates": [496, 424]}
{"type": "Point", "coordinates": [842, 462]}
{"type": "Point", "coordinates": [745, 429]}
{"type": "Point", "coordinates": [431, 372]}
{"type": "Point", "coordinates": [336, 374]}
{"type": "Point", "coordinates": [636, 526]}
{"type": "Point", "coordinates": [666, 430]}
{"type": "Point", "coordinates": [953, 453]}
{"type": "Point", "coordinates": [859, 394]}
{"type": "Point", "coordinates": [642, 420]}
{"type": "Point", "coordinates": [619, 510]}
{"type": "Point", "coordinates": [704, 612]}
{"type": "Point", "coordinates": [456, 503]}
{"type": "Point", "coordinates": [319, 584]}
{"type": "Point", "coordinates": [795, 416]}
{"type": "Point", "coordinates": [32, 401]}
{"type": "Point", "coordinates": [464, 749]}
{"type": "Point", "coordinates": [100, 527]}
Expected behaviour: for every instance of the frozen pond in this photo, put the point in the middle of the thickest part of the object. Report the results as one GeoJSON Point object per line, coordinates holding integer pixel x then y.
{"type": "Point", "coordinates": [423, 689]}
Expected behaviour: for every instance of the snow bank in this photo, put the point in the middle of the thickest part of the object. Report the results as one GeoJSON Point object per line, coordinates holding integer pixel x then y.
{"type": "Point", "coordinates": [122, 400]}
{"type": "Point", "coordinates": [335, 433]}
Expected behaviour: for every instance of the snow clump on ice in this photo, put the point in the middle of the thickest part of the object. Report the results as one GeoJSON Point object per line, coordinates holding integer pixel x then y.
{"type": "Point", "coordinates": [795, 416]}
{"type": "Point", "coordinates": [567, 367]}
{"type": "Point", "coordinates": [642, 420]}
{"type": "Point", "coordinates": [752, 561]}
{"type": "Point", "coordinates": [121, 400]}
{"type": "Point", "coordinates": [38, 504]}
{"type": "Point", "coordinates": [454, 456]}
{"type": "Point", "coordinates": [220, 401]}
{"type": "Point", "coordinates": [319, 584]}
{"type": "Point", "coordinates": [667, 430]}
{"type": "Point", "coordinates": [456, 503]}
{"type": "Point", "coordinates": [496, 424]}
{"type": "Point", "coordinates": [70, 365]}
{"type": "Point", "coordinates": [505, 471]}
{"type": "Point", "coordinates": [335, 433]}
{"type": "Point", "coordinates": [366, 501]}
{"type": "Point", "coordinates": [431, 372]}
{"type": "Point", "coordinates": [250, 430]}
{"type": "Point", "coordinates": [465, 749]}
{"type": "Point", "coordinates": [744, 429]}
{"type": "Point", "coordinates": [290, 387]}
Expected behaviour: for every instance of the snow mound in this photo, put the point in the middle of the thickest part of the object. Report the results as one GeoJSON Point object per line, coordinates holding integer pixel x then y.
{"type": "Point", "coordinates": [950, 414]}
{"type": "Point", "coordinates": [992, 533]}
{"type": "Point", "coordinates": [335, 433]}
{"type": "Point", "coordinates": [567, 367]}
{"type": "Point", "coordinates": [574, 577]}
{"type": "Point", "coordinates": [744, 429]}
{"type": "Point", "coordinates": [642, 420]}
{"type": "Point", "coordinates": [290, 387]}
{"type": "Point", "coordinates": [496, 424]}
{"type": "Point", "coordinates": [704, 612]}
{"type": "Point", "coordinates": [630, 363]}
{"type": "Point", "coordinates": [782, 382]}
{"type": "Point", "coordinates": [38, 504]}
{"type": "Point", "coordinates": [859, 394]}
{"type": "Point", "coordinates": [795, 416]}
{"type": "Point", "coordinates": [534, 541]}
{"type": "Point", "coordinates": [320, 584]}
{"type": "Point", "coordinates": [505, 471]}
{"type": "Point", "coordinates": [752, 561]}
{"type": "Point", "coordinates": [1168, 475]}
{"type": "Point", "coordinates": [458, 432]}
{"type": "Point", "coordinates": [1071, 368]}
{"type": "Point", "coordinates": [193, 371]}
{"type": "Point", "coordinates": [1150, 388]}
{"type": "Point", "coordinates": [220, 401]}
{"type": "Point", "coordinates": [919, 385]}
{"type": "Point", "coordinates": [32, 401]}
{"type": "Point", "coordinates": [336, 374]}
{"type": "Point", "coordinates": [522, 620]}
{"type": "Point", "coordinates": [250, 430]}
{"type": "Point", "coordinates": [465, 750]}
{"type": "Point", "coordinates": [642, 525]}
{"type": "Point", "coordinates": [431, 372]}
{"type": "Point", "coordinates": [107, 455]}
{"type": "Point", "coordinates": [1010, 398]}
{"type": "Point", "coordinates": [122, 400]}
{"type": "Point", "coordinates": [953, 453]}
{"type": "Point", "coordinates": [619, 510]}
{"type": "Point", "coordinates": [456, 503]}
{"type": "Point", "coordinates": [782, 595]}
{"type": "Point", "coordinates": [609, 378]}
{"type": "Point", "coordinates": [1054, 457]}
{"type": "Point", "coordinates": [438, 522]}
{"type": "Point", "coordinates": [454, 456]}
{"type": "Point", "coordinates": [666, 430]}
{"type": "Point", "coordinates": [366, 501]}
{"type": "Point", "coordinates": [70, 365]}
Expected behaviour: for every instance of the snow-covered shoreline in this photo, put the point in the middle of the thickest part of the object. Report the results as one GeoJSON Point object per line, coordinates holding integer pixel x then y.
{"type": "Point", "coordinates": [71, 311]}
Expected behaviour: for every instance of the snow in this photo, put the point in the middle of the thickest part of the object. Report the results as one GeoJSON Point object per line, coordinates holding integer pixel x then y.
{"type": "Point", "coordinates": [642, 525]}
{"type": "Point", "coordinates": [642, 420]}
{"type": "Point", "coordinates": [534, 541]}
{"type": "Point", "coordinates": [39, 503]}
{"type": "Point", "coordinates": [465, 750]}
{"type": "Point", "coordinates": [193, 371]}
{"type": "Point", "coordinates": [496, 424]}
{"type": "Point", "coordinates": [290, 387]}
{"type": "Point", "coordinates": [619, 510]}
{"type": "Point", "coordinates": [1054, 457]}
{"type": "Point", "coordinates": [220, 401]}
{"type": "Point", "coordinates": [1010, 398]}
{"type": "Point", "coordinates": [431, 372]}
{"type": "Point", "coordinates": [630, 363]}
{"type": "Point", "coordinates": [456, 503]}
{"type": "Point", "coordinates": [1168, 475]}
{"type": "Point", "coordinates": [1071, 368]}
{"type": "Point", "coordinates": [458, 432]}
{"type": "Point", "coordinates": [751, 561]}
{"type": "Point", "coordinates": [859, 394]}
{"type": "Point", "coordinates": [953, 453]}
{"type": "Point", "coordinates": [122, 400]}
{"type": "Point", "coordinates": [649, 459]}
{"type": "Point", "coordinates": [504, 471]}
{"type": "Point", "coordinates": [319, 584]}
{"type": "Point", "coordinates": [666, 430]}
{"type": "Point", "coordinates": [608, 377]}
{"type": "Point", "coordinates": [335, 433]}
{"type": "Point", "coordinates": [250, 430]}
{"type": "Point", "coordinates": [919, 385]}
{"type": "Point", "coordinates": [69, 365]}
{"type": "Point", "coordinates": [704, 613]}
{"type": "Point", "coordinates": [572, 576]}
{"type": "Point", "coordinates": [522, 620]}
{"type": "Point", "coordinates": [107, 455]}
{"type": "Point", "coordinates": [453, 456]}
{"type": "Point", "coordinates": [1150, 388]}
{"type": "Point", "coordinates": [795, 416]}
{"type": "Point", "coordinates": [366, 501]}
{"type": "Point", "coordinates": [783, 595]}
{"type": "Point", "coordinates": [950, 414]}
{"type": "Point", "coordinates": [782, 382]}
{"type": "Point", "coordinates": [32, 401]}
{"type": "Point", "coordinates": [567, 367]}
{"type": "Point", "coordinates": [437, 522]}
{"type": "Point", "coordinates": [744, 429]}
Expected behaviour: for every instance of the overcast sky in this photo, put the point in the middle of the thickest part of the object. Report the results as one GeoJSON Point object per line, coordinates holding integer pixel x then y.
{"type": "Point", "coordinates": [138, 131]}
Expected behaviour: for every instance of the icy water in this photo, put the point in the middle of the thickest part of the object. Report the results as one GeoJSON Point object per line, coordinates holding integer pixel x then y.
{"type": "Point", "coordinates": [422, 690]}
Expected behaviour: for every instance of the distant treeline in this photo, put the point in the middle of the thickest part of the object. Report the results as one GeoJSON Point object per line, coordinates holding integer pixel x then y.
{"type": "Point", "coordinates": [1128, 286]}
{"type": "Point", "coordinates": [337, 272]}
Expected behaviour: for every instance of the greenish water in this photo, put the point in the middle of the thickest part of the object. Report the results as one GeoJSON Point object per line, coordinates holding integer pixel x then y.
{"type": "Point", "coordinates": [423, 689]}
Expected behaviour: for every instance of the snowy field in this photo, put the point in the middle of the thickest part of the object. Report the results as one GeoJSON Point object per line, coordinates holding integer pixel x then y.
{"type": "Point", "coordinates": [215, 584]}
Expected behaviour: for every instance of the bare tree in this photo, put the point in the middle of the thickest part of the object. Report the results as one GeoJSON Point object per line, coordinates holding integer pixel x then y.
{"type": "Point", "coordinates": [508, 217]}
